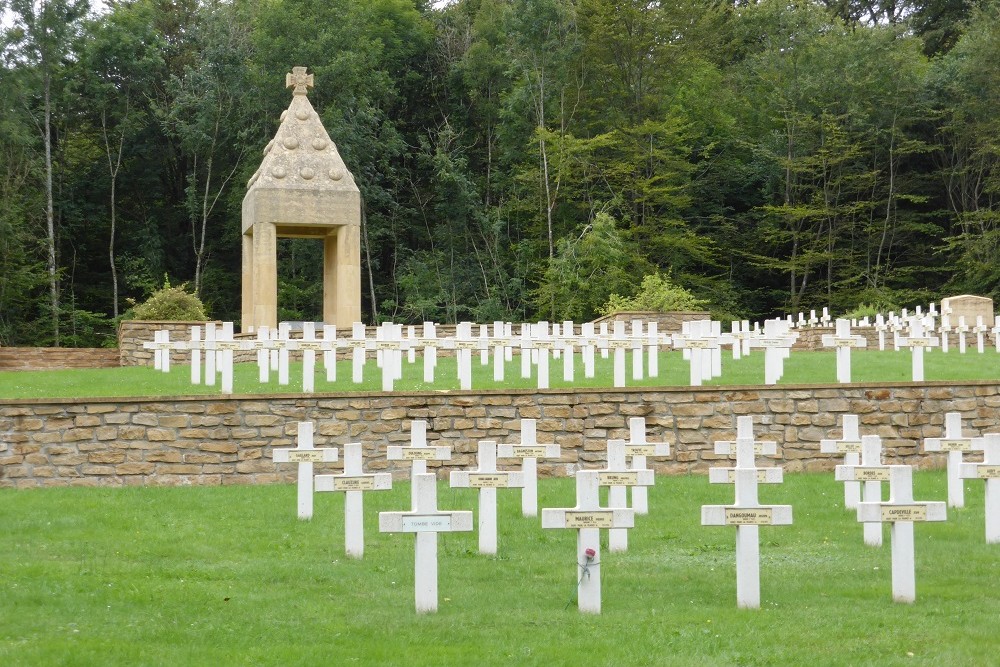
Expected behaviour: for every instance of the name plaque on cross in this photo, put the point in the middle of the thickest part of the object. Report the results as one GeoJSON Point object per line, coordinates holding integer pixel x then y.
{"type": "Point", "coordinates": [425, 524]}
{"type": "Point", "coordinates": [418, 453]}
{"type": "Point", "coordinates": [305, 457]}
{"type": "Point", "coordinates": [846, 447]}
{"type": "Point", "coordinates": [761, 516]}
{"type": "Point", "coordinates": [955, 444]}
{"type": "Point", "coordinates": [498, 480]}
{"type": "Point", "coordinates": [987, 471]}
{"type": "Point", "coordinates": [904, 513]}
{"type": "Point", "coordinates": [871, 474]}
{"type": "Point", "coordinates": [630, 478]}
{"type": "Point", "coordinates": [603, 519]}
{"type": "Point", "coordinates": [528, 451]}
{"type": "Point", "coordinates": [353, 484]}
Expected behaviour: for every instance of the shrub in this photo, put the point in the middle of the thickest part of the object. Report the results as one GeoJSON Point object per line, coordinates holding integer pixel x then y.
{"type": "Point", "coordinates": [657, 293]}
{"type": "Point", "coordinates": [169, 304]}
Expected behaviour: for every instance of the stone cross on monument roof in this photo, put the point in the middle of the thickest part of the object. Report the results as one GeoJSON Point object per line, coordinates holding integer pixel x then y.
{"type": "Point", "coordinates": [299, 81]}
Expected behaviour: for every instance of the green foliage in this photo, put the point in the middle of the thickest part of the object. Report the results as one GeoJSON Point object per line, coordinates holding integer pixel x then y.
{"type": "Point", "coordinates": [169, 304]}
{"type": "Point", "coordinates": [657, 294]}
{"type": "Point", "coordinates": [586, 271]}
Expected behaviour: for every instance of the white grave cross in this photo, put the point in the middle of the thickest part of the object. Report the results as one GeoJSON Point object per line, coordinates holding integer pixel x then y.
{"type": "Point", "coordinates": [588, 517]}
{"type": "Point", "coordinates": [529, 451]}
{"type": "Point", "coordinates": [637, 448]}
{"type": "Point", "coordinates": [418, 453]}
{"type": "Point", "coordinates": [872, 473]}
{"type": "Point", "coordinates": [955, 445]}
{"type": "Point", "coordinates": [354, 482]}
{"type": "Point", "coordinates": [844, 341]}
{"type": "Point", "coordinates": [989, 471]}
{"type": "Point", "coordinates": [747, 514]}
{"type": "Point", "coordinates": [619, 477]}
{"type": "Point", "coordinates": [305, 455]}
{"type": "Point", "coordinates": [487, 479]}
{"type": "Point", "coordinates": [425, 521]}
{"type": "Point", "coordinates": [917, 341]}
{"type": "Point", "coordinates": [850, 447]}
{"type": "Point", "coordinates": [901, 510]}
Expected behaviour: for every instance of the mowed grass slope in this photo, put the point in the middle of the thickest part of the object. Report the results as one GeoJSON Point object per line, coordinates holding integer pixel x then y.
{"type": "Point", "coordinates": [803, 367]}
{"type": "Point", "coordinates": [227, 575]}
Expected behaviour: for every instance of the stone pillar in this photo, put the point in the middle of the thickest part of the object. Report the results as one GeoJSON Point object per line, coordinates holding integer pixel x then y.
{"type": "Point", "coordinates": [330, 299]}
{"type": "Point", "coordinates": [247, 323]}
{"type": "Point", "coordinates": [348, 280]}
{"type": "Point", "coordinates": [265, 275]}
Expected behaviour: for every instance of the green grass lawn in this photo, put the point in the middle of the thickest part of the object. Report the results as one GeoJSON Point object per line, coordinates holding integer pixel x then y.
{"type": "Point", "coordinates": [802, 367]}
{"type": "Point", "coordinates": [227, 575]}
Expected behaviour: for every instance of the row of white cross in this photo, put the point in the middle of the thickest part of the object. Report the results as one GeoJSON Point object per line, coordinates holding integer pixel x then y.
{"type": "Point", "coordinates": [700, 341]}
{"type": "Point", "coordinates": [862, 465]}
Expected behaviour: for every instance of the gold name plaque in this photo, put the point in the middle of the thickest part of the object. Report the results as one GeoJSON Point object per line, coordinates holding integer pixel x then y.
{"type": "Point", "coordinates": [871, 474]}
{"type": "Point", "coordinates": [497, 480]}
{"type": "Point", "coordinates": [618, 478]}
{"type": "Point", "coordinates": [529, 451]}
{"type": "Point", "coordinates": [353, 483]}
{"type": "Point", "coordinates": [314, 456]}
{"type": "Point", "coordinates": [419, 453]}
{"type": "Point", "coordinates": [589, 519]}
{"type": "Point", "coordinates": [904, 513]}
{"type": "Point", "coordinates": [755, 516]}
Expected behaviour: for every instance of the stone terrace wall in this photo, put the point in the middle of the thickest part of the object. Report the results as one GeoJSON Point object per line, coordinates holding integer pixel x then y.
{"type": "Point", "coordinates": [51, 358]}
{"type": "Point", "coordinates": [111, 442]}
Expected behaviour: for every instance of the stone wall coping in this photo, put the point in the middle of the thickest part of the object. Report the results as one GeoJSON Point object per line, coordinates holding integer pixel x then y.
{"type": "Point", "coordinates": [497, 392]}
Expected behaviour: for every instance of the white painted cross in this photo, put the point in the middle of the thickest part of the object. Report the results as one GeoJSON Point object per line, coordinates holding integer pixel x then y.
{"type": "Point", "coordinates": [961, 330]}
{"type": "Point", "coordinates": [501, 344]}
{"type": "Point", "coordinates": [744, 431]}
{"type": "Point", "coordinates": [618, 477]}
{"type": "Point", "coordinates": [589, 341]}
{"type": "Point", "coordinates": [844, 341]}
{"type": "Point", "coordinates": [989, 471]}
{"type": "Point", "coordinates": [944, 330]}
{"type": "Point", "coordinates": [425, 521]}
{"type": "Point", "coordinates": [417, 452]}
{"type": "Point", "coordinates": [777, 343]}
{"type": "Point", "coordinates": [637, 350]}
{"type": "Point", "coordinates": [225, 346]}
{"type": "Point", "coordinates": [980, 331]}
{"type": "Point", "coordinates": [850, 446]}
{"type": "Point", "coordinates": [747, 514]}
{"type": "Point", "coordinates": [996, 332]}
{"type": "Point", "coordinates": [637, 448]}
{"type": "Point", "coordinates": [359, 352]}
{"type": "Point", "coordinates": [872, 473]}
{"type": "Point", "coordinates": [588, 517]}
{"type": "Point", "coordinates": [618, 343]}
{"type": "Point", "coordinates": [487, 479]}
{"type": "Point", "coordinates": [880, 328]}
{"type": "Point", "coordinates": [955, 444]}
{"type": "Point", "coordinates": [529, 451]}
{"type": "Point", "coordinates": [305, 455]}
{"type": "Point", "coordinates": [901, 510]}
{"type": "Point", "coordinates": [917, 341]}
{"type": "Point", "coordinates": [429, 343]}
{"type": "Point", "coordinates": [701, 343]}
{"type": "Point", "coordinates": [354, 481]}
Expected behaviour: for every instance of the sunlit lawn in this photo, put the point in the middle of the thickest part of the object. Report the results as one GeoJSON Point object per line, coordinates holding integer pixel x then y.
{"type": "Point", "coordinates": [227, 575]}
{"type": "Point", "coordinates": [801, 368]}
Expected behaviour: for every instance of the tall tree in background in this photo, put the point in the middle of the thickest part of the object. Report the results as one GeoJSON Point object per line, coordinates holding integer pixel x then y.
{"type": "Point", "coordinates": [39, 41]}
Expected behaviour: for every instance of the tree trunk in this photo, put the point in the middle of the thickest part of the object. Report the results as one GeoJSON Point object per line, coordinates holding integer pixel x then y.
{"type": "Point", "coordinates": [50, 210]}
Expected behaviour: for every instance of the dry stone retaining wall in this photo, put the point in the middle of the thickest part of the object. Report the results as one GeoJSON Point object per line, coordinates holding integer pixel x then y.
{"type": "Point", "coordinates": [111, 442]}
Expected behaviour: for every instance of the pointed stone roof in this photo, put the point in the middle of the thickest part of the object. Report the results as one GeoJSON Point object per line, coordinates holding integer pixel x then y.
{"type": "Point", "coordinates": [301, 156]}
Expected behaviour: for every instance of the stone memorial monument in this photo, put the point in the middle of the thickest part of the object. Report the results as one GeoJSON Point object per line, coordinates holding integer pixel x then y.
{"type": "Point", "coordinates": [302, 189]}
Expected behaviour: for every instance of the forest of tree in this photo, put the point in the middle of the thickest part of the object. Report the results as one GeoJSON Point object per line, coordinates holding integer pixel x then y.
{"type": "Point", "coordinates": [517, 159]}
